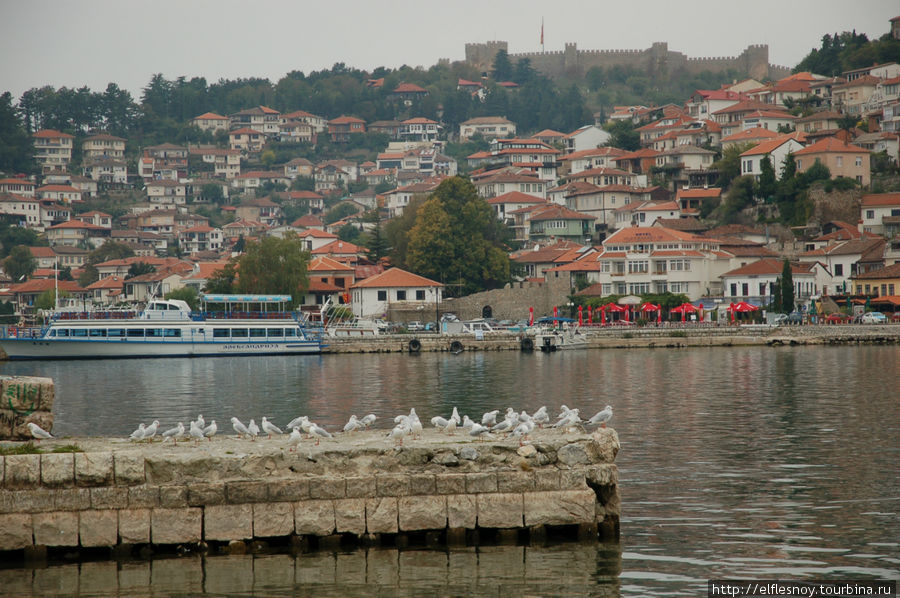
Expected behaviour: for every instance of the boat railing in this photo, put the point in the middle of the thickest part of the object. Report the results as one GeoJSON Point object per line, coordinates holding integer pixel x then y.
{"type": "Point", "coordinates": [249, 315]}
{"type": "Point", "coordinates": [93, 315]}
{"type": "Point", "coordinates": [22, 332]}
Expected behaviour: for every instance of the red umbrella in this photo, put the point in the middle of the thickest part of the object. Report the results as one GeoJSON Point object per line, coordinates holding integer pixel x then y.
{"type": "Point", "coordinates": [683, 309]}
{"type": "Point", "coordinates": [531, 316]}
{"type": "Point", "coordinates": [613, 308]}
{"type": "Point", "coordinates": [648, 307]}
{"type": "Point", "coordinates": [580, 315]}
{"type": "Point", "coordinates": [590, 314]}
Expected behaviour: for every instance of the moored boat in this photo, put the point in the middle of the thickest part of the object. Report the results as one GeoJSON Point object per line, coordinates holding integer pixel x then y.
{"type": "Point", "coordinates": [226, 325]}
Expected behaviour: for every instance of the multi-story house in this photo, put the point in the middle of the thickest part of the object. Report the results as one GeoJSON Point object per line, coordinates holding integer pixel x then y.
{"type": "Point", "coordinates": [793, 88]}
{"type": "Point", "coordinates": [261, 209]}
{"type": "Point", "coordinates": [330, 176]}
{"type": "Point", "coordinates": [375, 295]}
{"type": "Point", "coordinates": [852, 96]}
{"type": "Point", "coordinates": [52, 150]}
{"type": "Point", "coordinates": [391, 128]}
{"type": "Point", "coordinates": [753, 283]}
{"type": "Point", "coordinates": [225, 162]}
{"type": "Point", "coordinates": [505, 204]}
{"type": "Point", "coordinates": [328, 279]}
{"type": "Point", "coordinates": [66, 194]}
{"type": "Point", "coordinates": [603, 177]}
{"type": "Point", "coordinates": [295, 131]}
{"type": "Point", "coordinates": [826, 120]}
{"type": "Point", "coordinates": [247, 140]}
{"type": "Point", "coordinates": [261, 118]}
{"type": "Point", "coordinates": [166, 192]}
{"type": "Point", "coordinates": [752, 136]}
{"type": "Point", "coordinates": [842, 261]}
{"type": "Point", "coordinates": [557, 222]}
{"type": "Point", "coordinates": [880, 214]}
{"type": "Point", "coordinates": [26, 209]}
{"type": "Point", "coordinates": [298, 167]}
{"type": "Point", "coordinates": [75, 233]}
{"type": "Point", "coordinates": [775, 150]}
{"type": "Point", "coordinates": [842, 159]}
{"type": "Point", "coordinates": [704, 102]}
{"type": "Point", "coordinates": [200, 238]}
{"type": "Point", "coordinates": [585, 138]}
{"type": "Point", "coordinates": [103, 147]}
{"type": "Point", "coordinates": [52, 213]}
{"type": "Point", "coordinates": [165, 161]}
{"type": "Point", "coordinates": [256, 178]}
{"type": "Point", "coordinates": [488, 127]}
{"type": "Point", "coordinates": [600, 157]}
{"type": "Point", "coordinates": [96, 218]}
{"type": "Point", "coordinates": [494, 183]}
{"type": "Point", "coordinates": [107, 171]}
{"type": "Point", "coordinates": [883, 282]}
{"type": "Point", "coordinates": [419, 130]}
{"type": "Point", "coordinates": [211, 122]}
{"type": "Point", "coordinates": [319, 124]}
{"type": "Point", "coordinates": [341, 128]}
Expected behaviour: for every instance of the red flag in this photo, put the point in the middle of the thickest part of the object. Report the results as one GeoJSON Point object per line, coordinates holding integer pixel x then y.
{"type": "Point", "coordinates": [542, 32]}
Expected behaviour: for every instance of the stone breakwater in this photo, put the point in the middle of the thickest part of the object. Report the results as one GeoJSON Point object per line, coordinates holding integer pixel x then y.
{"type": "Point", "coordinates": [356, 487]}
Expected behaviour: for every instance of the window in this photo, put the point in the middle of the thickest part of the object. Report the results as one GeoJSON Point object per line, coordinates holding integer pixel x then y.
{"type": "Point", "coordinates": [839, 269]}
{"type": "Point", "coordinates": [153, 333]}
{"type": "Point", "coordinates": [839, 160]}
{"type": "Point", "coordinates": [762, 289]}
{"type": "Point", "coordinates": [859, 160]}
{"type": "Point", "coordinates": [870, 214]}
{"type": "Point", "coordinates": [257, 333]}
{"type": "Point", "coordinates": [238, 333]}
{"type": "Point", "coordinates": [97, 332]}
{"type": "Point", "coordinates": [799, 164]}
{"type": "Point", "coordinates": [135, 333]}
{"type": "Point", "coordinates": [401, 295]}
{"type": "Point", "coordinates": [745, 289]}
{"type": "Point", "coordinates": [733, 287]}
{"type": "Point", "coordinates": [420, 295]}
{"type": "Point", "coordinates": [220, 333]}
{"type": "Point", "coordinates": [115, 333]}
{"type": "Point", "coordinates": [382, 295]}
{"type": "Point", "coordinates": [172, 332]}
{"type": "Point", "coordinates": [275, 332]}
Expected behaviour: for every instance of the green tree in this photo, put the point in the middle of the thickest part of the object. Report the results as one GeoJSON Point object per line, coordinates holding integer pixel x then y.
{"type": "Point", "coordinates": [766, 188]}
{"type": "Point", "coordinates": [775, 292]}
{"type": "Point", "coordinates": [787, 288]}
{"type": "Point", "coordinates": [212, 192]}
{"type": "Point", "coordinates": [89, 275]}
{"type": "Point", "coordinates": [47, 299]}
{"type": "Point", "coordinates": [623, 135]}
{"type": "Point", "coordinates": [222, 282]}
{"type": "Point", "coordinates": [339, 212]}
{"type": "Point", "coordinates": [274, 266]}
{"type": "Point", "coordinates": [110, 250]}
{"type": "Point", "coordinates": [20, 263]}
{"type": "Point", "coordinates": [16, 149]}
{"type": "Point", "coordinates": [10, 236]}
{"type": "Point", "coordinates": [187, 294]}
{"type": "Point", "coordinates": [502, 69]}
{"type": "Point", "coordinates": [457, 237]}
{"type": "Point", "coordinates": [139, 269]}
{"type": "Point", "coordinates": [729, 165]}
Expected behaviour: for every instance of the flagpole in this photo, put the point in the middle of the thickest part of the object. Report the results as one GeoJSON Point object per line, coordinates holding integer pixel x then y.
{"type": "Point", "coordinates": [542, 35]}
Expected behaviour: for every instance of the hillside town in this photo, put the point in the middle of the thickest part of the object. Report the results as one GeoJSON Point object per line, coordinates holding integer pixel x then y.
{"type": "Point", "coordinates": [606, 220]}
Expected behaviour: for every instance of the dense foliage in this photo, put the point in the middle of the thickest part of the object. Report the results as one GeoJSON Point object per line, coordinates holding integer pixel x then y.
{"type": "Point", "coordinates": [847, 51]}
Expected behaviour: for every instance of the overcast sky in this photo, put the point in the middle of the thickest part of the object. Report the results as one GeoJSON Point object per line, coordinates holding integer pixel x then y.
{"type": "Point", "coordinates": [93, 42]}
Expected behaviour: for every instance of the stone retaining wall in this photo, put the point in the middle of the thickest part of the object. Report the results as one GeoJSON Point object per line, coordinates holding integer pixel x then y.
{"type": "Point", "coordinates": [25, 399]}
{"type": "Point", "coordinates": [229, 489]}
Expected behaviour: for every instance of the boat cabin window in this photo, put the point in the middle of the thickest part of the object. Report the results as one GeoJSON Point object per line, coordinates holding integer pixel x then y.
{"type": "Point", "coordinates": [172, 332]}
{"type": "Point", "coordinates": [153, 332]}
{"type": "Point", "coordinates": [238, 333]}
{"type": "Point", "coordinates": [97, 332]}
{"type": "Point", "coordinates": [257, 333]}
{"type": "Point", "coordinates": [79, 332]}
{"type": "Point", "coordinates": [220, 333]}
{"type": "Point", "coordinates": [275, 332]}
{"type": "Point", "coordinates": [115, 332]}
{"type": "Point", "coordinates": [52, 333]}
{"type": "Point", "coordinates": [135, 333]}
{"type": "Point", "coordinates": [290, 332]}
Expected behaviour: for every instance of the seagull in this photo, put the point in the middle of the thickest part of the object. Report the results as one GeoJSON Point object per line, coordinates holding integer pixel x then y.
{"type": "Point", "coordinates": [368, 420]}
{"type": "Point", "coordinates": [415, 424]}
{"type": "Point", "coordinates": [201, 423]}
{"type": "Point", "coordinates": [139, 433]}
{"type": "Point", "coordinates": [270, 428]}
{"type": "Point", "coordinates": [601, 417]}
{"type": "Point", "coordinates": [399, 431]}
{"type": "Point", "coordinates": [451, 426]}
{"type": "Point", "coordinates": [295, 423]}
{"type": "Point", "coordinates": [150, 431]}
{"type": "Point", "coordinates": [253, 429]}
{"type": "Point", "coordinates": [210, 430]}
{"type": "Point", "coordinates": [196, 432]}
{"type": "Point", "coordinates": [570, 419]}
{"type": "Point", "coordinates": [478, 431]}
{"type": "Point", "coordinates": [440, 423]}
{"type": "Point", "coordinates": [174, 433]}
{"type": "Point", "coordinates": [294, 439]}
{"type": "Point", "coordinates": [38, 432]}
{"type": "Point", "coordinates": [523, 430]}
{"type": "Point", "coordinates": [455, 415]}
{"type": "Point", "coordinates": [467, 423]}
{"type": "Point", "coordinates": [540, 417]}
{"type": "Point", "coordinates": [490, 418]}
{"type": "Point", "coordinates": [505, 426]}
{"type": "Point", "coordinates": [319, 432]}
{"type": "Point", "coordinates": [353, 424]}
{"type": "Point", "coordinates": [240, 428]}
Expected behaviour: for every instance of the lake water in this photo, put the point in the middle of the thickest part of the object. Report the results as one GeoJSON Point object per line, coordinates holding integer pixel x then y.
{"type": "Point", "coordinates": [735, 463]}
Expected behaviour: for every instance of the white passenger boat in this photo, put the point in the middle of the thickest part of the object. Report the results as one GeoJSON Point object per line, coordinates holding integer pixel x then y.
{"type": "Point", "coordinates": [226, 325]}
{"type": "Point", "coordinates": [556, 339]}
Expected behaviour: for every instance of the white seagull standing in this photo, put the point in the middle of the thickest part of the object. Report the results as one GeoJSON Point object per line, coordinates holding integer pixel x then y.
{"type": "Point", "coordinates": [239, 427]}
{"type": "Point", "coordinates": [270, 428]}
{"type": "Point", "coordinates": [353, 424]}
{"type": "Point", "coordinates": [174, 433]}
{"type": "Point", "coordinates": [368, 420]}
{"type": "Point", "coordinates": [196, 432]}
{"type": "Point", "coordinates": [210, 430]}
{"type": "Point", "coordinates": [319, 432]}
{"type": "Point", "coordinates": [294, 439]}
{"type": "Point", "coordinates": [479, 431]}
{"type": "Point", "coordinates": [139, 433]}
{"type": "Point", "coordinates": [601, 417]}
{"type": "Point", "coordinates": [253, 429]}
{"type": "Point", "coordinates": [38, 432]}
{"type": "Point", "coordinates": [150, 431]}
{"type": "Point", "coordinates": [490, 418]}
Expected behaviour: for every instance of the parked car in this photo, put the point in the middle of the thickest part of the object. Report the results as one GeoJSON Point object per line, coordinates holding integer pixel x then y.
{"type": "Point", "coordinates": [795, 317]}
{"type": "Point", "coordinates": [873, 317]}
{"type": "Point", "coordinates": [415, 326]}
{"type": "Point", "coordinates": [838, 319]}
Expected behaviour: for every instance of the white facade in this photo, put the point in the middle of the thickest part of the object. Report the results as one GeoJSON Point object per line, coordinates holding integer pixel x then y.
{"type": "Point", "coordinates": [751, 160]}
{"type": "Point", "coordinates": [587, 137]}
{"type": "Point", "coordinates": [375, 302]}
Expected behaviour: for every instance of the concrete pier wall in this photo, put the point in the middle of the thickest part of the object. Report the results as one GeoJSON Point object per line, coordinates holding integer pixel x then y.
{"type": "Point", "coordinates": [359, 485]}
{"type": "Point", "coordinates": [23, 400]}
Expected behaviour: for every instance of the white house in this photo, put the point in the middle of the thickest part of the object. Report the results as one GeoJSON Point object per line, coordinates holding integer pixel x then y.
{"type": "Point", "coordinates": [752, 283]}
{"type": "Point", "coordinates": [880, 213]}
{"type": "Point", "coordinates": [585, 138]}
{"type": "Point", "coordinates": [374, 296]}
{"type": "Point", "coordinates": [776, 149]}
{"type": "Point", "coordinates": [841, 261]}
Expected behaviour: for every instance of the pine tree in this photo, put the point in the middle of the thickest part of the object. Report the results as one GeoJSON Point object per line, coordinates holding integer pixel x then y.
{"type": "Point", "coordinates": [787, 288]}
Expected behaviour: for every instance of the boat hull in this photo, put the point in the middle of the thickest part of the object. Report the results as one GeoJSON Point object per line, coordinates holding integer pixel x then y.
{"type": "Point", "coordinates": [17, 349]}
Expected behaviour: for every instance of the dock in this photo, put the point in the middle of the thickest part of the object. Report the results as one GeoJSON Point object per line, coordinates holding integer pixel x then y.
{"type": "Point", "coordinates": [357, 488]}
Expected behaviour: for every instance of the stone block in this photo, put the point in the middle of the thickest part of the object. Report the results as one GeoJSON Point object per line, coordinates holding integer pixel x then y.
{"type": "Point", "coordinates": [573, 454]}
{"type": "Point", "coordinates": [327, 488]}
{"type": "Point", "coordinates": [98, 528]}
{"type": "Point", "coordinates": [273, 519]}
{"type": "Point", "coordinates": [128, 469]}
{"type": "Point", "coordinates": [603, 475]}
{"type": "Point", "coordinates": [560, 507]}
{"type": "Point", "coordinates": [350, 516]}
{"type": "Point", "coordinates": [288, 490]}
{"type": "Point", "coordinates": [109, 497]}
{"type": "Point", "coordinates": [451, 483]}
{"type": "Point", "coordinates": [52, 581]}
{"type": "Point", "coordinates": [55, 529]}
{"type": "Point", "coordinates": [58, 469]}
{"type": "Point", "coordinates": [391, 485]}
{"type": "Point", "coordinates": [572, 479]}
{"type": "Point", "coordinates": [202, 495]}
{"type": "Point", "coordinates": [382, 568]}
{"type": "Point", "coordinates": [134, 526]}
{"type": "Point", "coordinates": [314, 517]}
{"type": "Point", "coordinates": [605, 445]}
{"type": "Point", "coordinates": [15, 531]}
{"type": "Point", "coordinates": [422, 484]}
{"type": "Point", "coordinates": [171, 497]}
{"type": "Point", "coordinates": [546, 479]}
{"type": "Point", "coordinates": [244, 492]}
{"type": "Point", "coordinates": [499, 510]}
{"type": "Point", "coordinates": [175, 526]}
{"type": "Point", "coordinates": [27, 501]}
{"type": "Point", "coordinates": [72, 499]}
{"type": "Point", "coordinates": [93, 469]}
{"type": "Point", "coordinates": [361, 487]}
{"type": "Point", "coordinates": [381, 515]}
{"type": "Point", "coordinates": [515, 481]}
{"type": "Point", "coordinates": [22, 471]}
{"type": "Point", "coordinates": [228, 522]}
{"type": "Point", "coordinates": [316, 569]}
{"type": "Point", "coordinates": [462, 511]}
{"type": "Point", "coordinates": [481, 482]}
{"type": "Point", "coordinates": [143, 497]}
{"type": "Point", "coordinates": [351, 570]}
{"type": "Point", "coordinates": [422, 512]}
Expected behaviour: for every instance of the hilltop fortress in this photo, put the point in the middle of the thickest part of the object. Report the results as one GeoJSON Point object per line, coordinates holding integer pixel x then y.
{"type": "Point", "coordinates": [657, 60]}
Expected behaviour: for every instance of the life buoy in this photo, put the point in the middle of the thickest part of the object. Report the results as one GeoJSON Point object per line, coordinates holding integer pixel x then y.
{"type": "Point", "coordinates": [526, 344]}
{"type": "Point", "coordinates": [456, 347]}
{"type": "Point", "coordinates": [415, 345]}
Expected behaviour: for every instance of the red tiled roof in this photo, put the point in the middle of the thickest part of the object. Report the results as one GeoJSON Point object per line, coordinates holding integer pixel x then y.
{"type": "Point", "coordinates": [830, 144]}
{"type": "Point", "coordinates": [51, 134]}
{"type": "Point", "coordinates": [409, 88]}
{"type": "Point", "coordinates": [515, 197]}
{"type": "Point", "coordinates": [210, 116]}
{"type": "Point", "coordinates": [880, 199]}
{"type": "Point", "coordinates": [395, 277]}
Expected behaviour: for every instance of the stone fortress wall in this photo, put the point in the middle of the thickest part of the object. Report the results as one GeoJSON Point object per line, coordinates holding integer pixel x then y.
{"type": "Point", "coordinates": [574, 63]}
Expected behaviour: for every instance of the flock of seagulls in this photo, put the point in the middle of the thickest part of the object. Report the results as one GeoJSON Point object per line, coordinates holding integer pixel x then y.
{"type": "Point", "coordinates": [515, 424]}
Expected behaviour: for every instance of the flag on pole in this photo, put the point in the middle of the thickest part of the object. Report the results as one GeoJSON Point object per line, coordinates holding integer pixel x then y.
{"type": "Point", "coordinates": [542, 31]}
